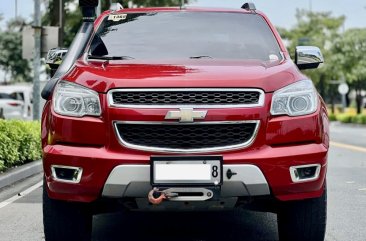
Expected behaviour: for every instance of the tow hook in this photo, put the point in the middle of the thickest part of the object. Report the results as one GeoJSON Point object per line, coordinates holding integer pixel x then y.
{"type": "Point", "coordinates": [156, 196]}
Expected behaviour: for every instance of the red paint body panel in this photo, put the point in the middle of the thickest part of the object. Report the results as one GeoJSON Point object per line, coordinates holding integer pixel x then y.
{"type": "Point", "coordinates": [191, 73]}
{"type": "Point", "coordinates": [90, 142]}
{"type": "Point", "coordinates": [275, 149]}
{"type": "Point", "coordinates": [99, 162]}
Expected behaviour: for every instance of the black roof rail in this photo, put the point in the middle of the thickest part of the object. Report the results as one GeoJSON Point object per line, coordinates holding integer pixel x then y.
{"type": "Point", "coordinates": [249, 6]}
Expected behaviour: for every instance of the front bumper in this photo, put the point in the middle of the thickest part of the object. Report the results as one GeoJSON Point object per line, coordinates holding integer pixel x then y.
{"type": "Point", "coordinates": [89, 143]}
{"type": "Point", "coordinates": [263, 171]}
{"type": "Point", "coordinates": [134, 181]}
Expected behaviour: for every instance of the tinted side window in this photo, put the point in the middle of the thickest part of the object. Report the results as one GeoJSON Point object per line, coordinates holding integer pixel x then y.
{"type": "Point", "coordinates": [18, 96]}
{"type": "Point", "coordinates": [5, 96]}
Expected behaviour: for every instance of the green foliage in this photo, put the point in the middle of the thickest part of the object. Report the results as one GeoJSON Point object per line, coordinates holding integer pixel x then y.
{"type": "Point", "coordinates": [350, 51]}
{"type": "Point", "coordinates": [11, 61]}
{"type": "Point", "coordinates": [359, 119]}
{"type": "Point", "coordinates": [71, 19]}
{"type": "Point", "coordinates": [345, 118]}
{"type": "Point", "coordinates": [332, 117]}
{"type": "Point", "coordinates": [317, 29]}
{"type": "Point", "coordinates": [351, 118]}
{"type": "Point", "coordinates": [72, 26]}
{"type": "Point", "coordinates": [2, 165]}
{"type": "Point", "coordinates": [20, 142]}
{"type": "Point", "coordinates": [344, 52]}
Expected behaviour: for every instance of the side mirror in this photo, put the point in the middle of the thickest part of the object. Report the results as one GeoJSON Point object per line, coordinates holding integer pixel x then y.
{"type": "Point", "coordinates": [308, 57]}
{"type": "Point", "coordinates": [54, 58]}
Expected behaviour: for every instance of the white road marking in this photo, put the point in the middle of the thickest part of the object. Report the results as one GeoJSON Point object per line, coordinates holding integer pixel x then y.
{"type": "Point", "coordinates": [362, 189]}
{"type": "Point", "coordinates": [349, 147]}
{"type": "Point", "coordinates": [20, 195]}
{"type": "Point", "coordinates": [350, 182]}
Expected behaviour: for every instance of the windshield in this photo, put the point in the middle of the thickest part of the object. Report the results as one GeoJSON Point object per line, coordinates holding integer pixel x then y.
{"type": "Point", "coordinates": [185, 35]}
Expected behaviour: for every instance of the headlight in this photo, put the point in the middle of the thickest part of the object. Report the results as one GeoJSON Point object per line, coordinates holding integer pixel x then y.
{"type": "Point", "coordinates": [297, 99]}
{"type": "Point", "coordinates": [75, 100]}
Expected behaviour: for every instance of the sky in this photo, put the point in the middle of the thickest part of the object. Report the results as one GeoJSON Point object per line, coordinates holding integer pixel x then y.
{"type": "Point", "coordinates": [280, 12]}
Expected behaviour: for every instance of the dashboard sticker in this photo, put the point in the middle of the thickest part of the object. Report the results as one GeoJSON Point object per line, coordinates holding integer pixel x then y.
{"type": "Point", "coordinates": [117, 17]}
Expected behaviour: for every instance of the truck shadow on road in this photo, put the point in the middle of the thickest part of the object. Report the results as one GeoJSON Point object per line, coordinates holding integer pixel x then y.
{"type": "Point", "coordinates": [220, 226]}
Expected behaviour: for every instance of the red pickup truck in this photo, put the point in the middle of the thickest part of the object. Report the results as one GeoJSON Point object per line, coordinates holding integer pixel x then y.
{"type": "Point", "coordinates": [183, 109]}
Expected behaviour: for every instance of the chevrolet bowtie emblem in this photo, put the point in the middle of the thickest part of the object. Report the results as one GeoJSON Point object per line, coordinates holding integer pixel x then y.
{"type": "Point", "coordinates": [186, 115]}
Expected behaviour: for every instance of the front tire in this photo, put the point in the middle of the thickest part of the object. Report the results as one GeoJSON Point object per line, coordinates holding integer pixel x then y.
{"type": "Point", "coordinates": [64, 220]}
{"type": "Point", "coordinates": [303, 220]}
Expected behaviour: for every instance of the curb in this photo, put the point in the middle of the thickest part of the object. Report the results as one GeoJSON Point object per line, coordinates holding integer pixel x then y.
{"type": "Point", "coordinates": [16, 174]}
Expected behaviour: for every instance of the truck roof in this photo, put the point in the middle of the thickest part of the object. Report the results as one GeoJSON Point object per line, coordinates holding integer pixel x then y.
{"type": "Point", "coordinates": [175, 9]}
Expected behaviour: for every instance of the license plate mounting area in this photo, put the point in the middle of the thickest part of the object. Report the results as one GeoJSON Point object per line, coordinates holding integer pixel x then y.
{"type": "Point", "coordinates": [186, 171]}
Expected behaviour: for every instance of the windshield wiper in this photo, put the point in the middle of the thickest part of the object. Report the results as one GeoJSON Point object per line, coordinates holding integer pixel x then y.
{"type": "Point", "coordinates": [201, 57]}
{"type": "Point", "coordinates": [110, 57]}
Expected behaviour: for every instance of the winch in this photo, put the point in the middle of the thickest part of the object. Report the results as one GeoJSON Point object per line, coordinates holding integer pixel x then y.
{"type": "Point", "coordinates": [157, 196]}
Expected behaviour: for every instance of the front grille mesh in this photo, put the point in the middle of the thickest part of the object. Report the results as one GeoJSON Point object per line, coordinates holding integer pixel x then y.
{"type": "Point", "coordinates": [185, 97]}
{"type": "Point", "coordinates": [186, 136]}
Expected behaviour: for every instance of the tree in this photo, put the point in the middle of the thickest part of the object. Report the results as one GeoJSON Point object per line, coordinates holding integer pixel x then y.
{"type": "Point", "coordinates": [318, 29]}
{"type": "Point", "coordinates": [349, 50]}
{"type": "Point", "coordinates": [11, 61]}
{"type": "Point", "coordinates": [52, 18]}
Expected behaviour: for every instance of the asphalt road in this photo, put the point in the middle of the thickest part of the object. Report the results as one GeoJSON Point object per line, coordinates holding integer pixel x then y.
{"type": "Point", "coordinates": [22, 219]}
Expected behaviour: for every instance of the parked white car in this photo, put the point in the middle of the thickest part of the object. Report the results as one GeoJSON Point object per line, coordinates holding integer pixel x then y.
{"type": "Point", "coordinates": [11, 108]}
{"type": "Point", "coordinates": [22, 94]}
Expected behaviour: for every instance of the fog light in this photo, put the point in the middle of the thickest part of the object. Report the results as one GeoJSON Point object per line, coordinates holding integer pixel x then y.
{"type": "Point", "coordinates": [66, 173]}
{"type": "Point", "coordinates": [305, 173]}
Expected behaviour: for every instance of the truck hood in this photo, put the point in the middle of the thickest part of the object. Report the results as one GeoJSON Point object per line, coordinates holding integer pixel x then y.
{"type": "Point", "coordinates": [102, 76]}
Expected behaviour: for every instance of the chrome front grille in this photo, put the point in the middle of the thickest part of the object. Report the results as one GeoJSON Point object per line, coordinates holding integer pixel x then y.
{"type": "Point", "coordinates": [208, 98]}
{"type": "Point", "coordinates": [192, 137]}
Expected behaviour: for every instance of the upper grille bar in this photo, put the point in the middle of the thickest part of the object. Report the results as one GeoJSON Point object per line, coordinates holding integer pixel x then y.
{"type": "Point", "coordinates": [186, 97]}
